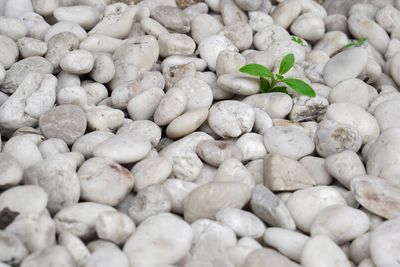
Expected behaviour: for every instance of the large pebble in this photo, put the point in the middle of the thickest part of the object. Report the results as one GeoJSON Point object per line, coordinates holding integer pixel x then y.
{"type": "Point", "coordinates": [266, 256]}
{"type": "Point", "coordinates": [164, 235]}
{"type": "Point", "coordinates": [24, 150]}
{"type": "Point", "coordinates": [384, 244]}
{"type": "Point", "coordinates": [11, 171]}
{"type": "Point", "coordinates": [77, 62]}
{"type": "Point", "coordinates": [154, 170]}
{"type": "Point", "coordinates": [106, 176]}
{"type": "Point", "coordinates": [85, 16]}
{"type": "Point", "coordinates": [65, 26]}
{"type": "Point", "coordinates": [377, 195]}
{"type": "Point", "coordinates": [171, 18]}
{"type": "Point", "coordinates": [178, 190]}
{"type": "Point", "coordinates": [239, 84]}
{"type": "Point", "coordinates": [107, 257]}
{"type": "Point", "coordinates": [232, 170]}
{"type": "Point", "coordinates": [216, 152]}
{"type": "Point", "coordinates": [124, 148]}
{"type": "Point", "coordinates": [210, 47]}
{"type": "Point", "coordinates": [345, 65]}
{"type": "Point", "coordinates": [206, 200]}
{"type": "Point", "coordinates": [143, 105]}
{"type": "Point", "coordinates": [309, 27]}
{"type": "Point", "coordinates": [86, 143]}
{"type": "Point", "coordinates": [75, 246]}
{"type": "Point", "coordinates": [352, 114]}
{"type": "Point", "coordinates": [204, 229]}
{"type": "Point", "coordinates": [34, 195]}
{"type": "Point", "coordinates": [67, 122]}
{"type": "Point", "coordinates": [276, 105]}
{"type": "Point", "coordinates": [12, 249]}
{"type": "Point", "coordinates": [114, 226]}
{"type": "Point", "coordinates": [204, 25]}
{"type": "Point", "coordinates": [176, 44]}
{"type": "Point", "coordinates": [59, 45]}
{"type": "Point", "coordinates": [270, 208]}
{"type": "Point", "coordinates": [231, 118]}
{"type": "Point", "coordinates": [56, 255]}
{"type": "Point", "coordinates": [186, 123]}
{"type": "Point", "coordinates": [286, 12]}
{"type": "Point", "coordinates": [198, 93]}
{"type": "Point", "coordinates": [315, 199]}
{"type": "Point", "coordinates": [80, 219]}
{"type": "Point", "coordinates": [285, 174]}
{"type": "Point", "coordinates": [353, 223]}
{"type": "Point", "coordinates": [289, 243]}
{"type": "Point", "coordinates": [322, 251]}
{"type": "Point", "coordinates": [231, 13]}
{"type": "Point", "coordinates": [170, 106]}
{"type": "Point", "coordinates": [243, 223]}
{"type": "Point", "coordinates": [387, 114]}
{"type": "Point", "coordinates": [10, 54]}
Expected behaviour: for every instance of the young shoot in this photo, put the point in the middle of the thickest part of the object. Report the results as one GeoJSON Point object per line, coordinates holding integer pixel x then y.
{"type": "Point", "coordinates": [356, 43]}
{"type": "Point", "coordinates": [298, 40]}
{"type": "Point", "coordinates": [269, 81]}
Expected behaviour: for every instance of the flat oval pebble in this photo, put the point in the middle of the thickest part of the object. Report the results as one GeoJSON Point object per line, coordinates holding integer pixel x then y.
{"type": "Point", "coordinates": [78, 62]}
{"type": "Point", "coordinates": [124, 148]}
{"type": "Point", "coordinates": [164, 235]}
{"type": "Point", "coordinates": [216, 152]}
{"type": "Point", "coordinates": [35, 195]}
{"type": "Point", "coordinates": [186, 123]}
{"type": "Point", "coordinates": [276, 105]}
{"type": "Point", "coordinates": [231, 118]}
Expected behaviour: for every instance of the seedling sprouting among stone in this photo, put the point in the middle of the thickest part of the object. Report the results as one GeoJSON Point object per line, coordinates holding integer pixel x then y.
{"type": "Point", "coordinates": [270, 80]}
{"type": "Point", "coordinates": [356, 43]}
{"type": "Point", "coordinates": [298, 40]}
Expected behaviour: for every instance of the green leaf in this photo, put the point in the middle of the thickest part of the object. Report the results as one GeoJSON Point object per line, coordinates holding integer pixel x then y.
{"type": "Point", "coordinates": [286, 63]}
{"type": "Point", "coordinates": [279, 77]}
{"type": "Point", "coordinates": [298, 40]}
{"type": "Point", "coordinates": [280, 89]}
{"type": "Point", "coordinates": [300, 86]}
{"type": "Point", "coordinates": [361, 41]}
{"type": "Point", "coordinates": [265, 86]}
{"type": "Point", "coordinates": [256, 70]}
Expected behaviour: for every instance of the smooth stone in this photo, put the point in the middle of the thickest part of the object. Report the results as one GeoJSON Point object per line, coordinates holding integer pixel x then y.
{"type": "Point", "coordinates": [11, 171]}
{"type": "Point", "coordinates": [210, 47]}
{"type": "Point", "coordinates": [348, 113]}
{"type": "Point", "coordinates": [107, 257]}
{"type": "Point", "coordinates": [37, 231]}
{"type": "Point", "coordinates": [144, 105]}
{"type": "Point", "coordinates": [308, 26]}
{"type": "Point", "coordinates": [252, 146]}
{"type": "Point", "coordinates": [232, 170]}
{"type": "Point", "coordinates": [12, 249]}
{"type": "Point", "coordinates": [288, 142]}
{"type": "Point", "coordinates": [178, 190]}
{"type": "Point", "coordinates": [230, 62]}
{"type": "Point", "coordinates": [106, 176]}
{"type": "Point", "coordinates": [103, 69]}
{"type": "Point", "coordinates": [124, 148]}
{"type": "Point", "coordinates": [59, 45]}
{"type": "Point", "coordinates": [171, 18]}
{"type": "Point", "coordinates": [332, 42]}
{"type": "Point", "coordinates": [384, 244]}
{"type": "Point", "coordinates": [270, 208]}
{"type": "Point", "coordinates": [268, 257]}
{"type": "Point", "coordinates": [386, 114]}
{"type": "Point", "coordinates": [239, 84]}
{"type": "Point", "coordinates": [175, 233]}
{"type": "Point", "coordinates": [316, 167]}
{"type": "Point", "coordinates": [114, 226]}
{"type": "Point", "coordinates": [86, 16]}
{"type": "Point", "coordinates": [198, 93]}
{"type": "Point", "coordinates": [243, 223]}
{"type": "Point", "coordinates": [204, 229]}
{"type": "Point", "coordinates": [395, 67]}
{"type": "Point", "coordinates": [67, 122]}
{"type": "Point", "coordinates": [231, 118]}
{"type": "Point", "coordinates": [65, 26]}
{"type": "Point", "coordinates": [315, 199]}
{"type": "Point", "coordinates": [103, 118]}
{"type": "Point", "coordinates": [276, 105]}
{"type": "Point", "coordinates": [334, 137]}
{"type": "Point", "coordinates": [204, 25]}
{"type": "Point", "coordinates": [100, 43]}
{"type": "Point", "coordinates": [307, 109]}
{"type": "Point", "coordinates": [231, 13]}
{"type": "Point", "coordinates": [285, 13]}
{"type": "Point", "coordinates": [144, 127]}
{"type": "Point", "coordinates": [206, 200]}
{"type": "Point", "coordinates": [75, 246]}
{"type": "Point", "coordinates": [32, 194]}
{"type": "Point", "coordinates": [345, 65]}
{"type": "Point", "coordinates": [289, 243]}
{"type": "Point", "coordinates": [266, 38]}
{"type": "Point", "coordinates": [56, 255]}
{"type": "Point", "coordinates": [17, 8]}
{"type": "Point", "coordinates": [259, 20]}
{"type": "Point", "coordinates": [154, 170]}
{"type": "Point", "coordinates": [186, 123]}
{"type": "Point", "coordinates": [355, 221]}
{"type": "Point", "coordinates": [13, 28]}
{"type": "Point", "coordinates": [57, 176]}
{"type": "Point", "coordinates": [152, 27]}
{"type": "Point", "coordinates": [36, 24]}
{"type": "Point", "coordinates": [77, 62]}
{"type": "Point", "coordinates": [215, 152]}
{"type": "Point", "coordinates": [86, 143]}
{"type": "Point", "coordinates": [352, 90]}
{"type": "Point", "coordinates": [151, 200]}
{"type": "Point", "coordinates": [322, 251]}
{"type": "Point", "coordinates": [53, 146]}
{"type": "Point", "coordinates": [248, 5]}
{"type": "Point", "coordinates": [344, 166]}
{"type": "Point", "coordinates": [359, 248]}
{"type": "Point", "coordinates": [80, 218]}
{"type": "Point", "coordinates": [175, 44]}
{"type": "Point", "coordinates": [170, 106]}
{"type": "Point", "coordinates": [241, 35]}
{"type": "Point", "coordinates": [285, 174]}
{"type": "Point", "coordinates": [23, 150]}
{"type": "Point", "coordinates": [377, 195]}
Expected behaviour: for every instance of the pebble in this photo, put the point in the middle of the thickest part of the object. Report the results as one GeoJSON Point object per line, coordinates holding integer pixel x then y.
{"type": "Point", "coordinates": [23, 150]}
{"type": "Point", "coordinates": [13, 250]}
{"type": "Point", "coordinates": [243, 223]}
{"type": "Point", "coordinates": [86, 143]}
{"type": "Point", "coordinates": [80, 218]}
{"type": "Point", "coordinates": [151, 200]}
{"type": "Point", "coordinates": [285, 174]}
{"type": "Point", "coordinates": [316, 167]}
{"type": "Point", "coordinates": [210, 47]}
{"type": "Point", "coordinates": [30, 47]}
{"type": "Point", "coordinates": [232, 170]}
{"type": "Point", "coordinates": [259, 20]}
{"type": "Point", "coordinates": [171, 18]}
{"type": "Point", "coordinates": [65, 26]}
{"type": "Point", "coordinates": [316, 198]}
{"type": "Point", "coordinates": [307, 109]}
{"type": "Point", "coordinates": [11, 171]}
{"type": "Point", "coordinates": [384, 242]}
{"type": "Point", "coordinates": [114, 226]}
{"type": "Point", "coordinates": [34, 195]}
{"type": "Point", "coordinates": [103, 69]}
{"type": "Point", "coordinates": [77, 62]}
{"type": "Point", "coordinates": [333, 137]}
{"type": "Point", "coordinates": [86, 16]}
{"type": "Point", "coordinates": [353, 223]}
{"type": "Point", "coordinates": [144, 127]}
{"type": "Point", "coordinates": [170, 106]}
{"type": "Point", "coordinates": [377, 195]}
{"type": "Point", "coordinates": [111, 257]}
{"type": "Point", "coordinates": [270, 208]}
{"type": "Point", "coordinates": [288, 242]}
{"type": "Point", "coordinates": [78, 250]}
{"type": "Point", "coordinates": [13, 28]}
{"type": "Point", "coordinates": [186, 123]}
{"type": "Point", "coordinates": [231, 118]}
{"type": "Point", "coordinates": [345, 65]}
{"type": "Point", "coordinates": [116, 181]}
{"type": "Point", "coordinates": [50, 174]}
{"type": "Point", "coordinates": [263, 256]}
{"type": "Point", "coordinates": [198, 93]}
{"type": "Point", "coordinates": [308, 26]}
{"type": "Point", "coordinates": [206, 200]}
{"type": "Point", "coordinates": [177, 237]}
{"type": "Point", "coordinates": [231, 13]}
{"type": "Point", "coordinates": [203, 26]}
{"type": "Point", "coordinates": [123, 148]}
{"type": "Point", "coordinates": [143, 105]}
{"type": "Point", "coordinates": [50, 256]}
{"type": "Point", "coordinates": [285, 13]}
{"type": "Point", "coordinates": [352, 90]}
{"type": "Point", "coordinates": [67, 122]}
{"type": "Point", "coordinates": [354, 115]}
{"type": "Point", "coordinates": [276, 105]}
{"type": "Point", "coordinates": [59, 45]}
{"type": "Point", "coordinates": [344, 166]}
{"type": "Point", "coordinates": [252, 146]}
{"type": "Point", "coordinates": [238, 84]}
{"type": "Point", "coordinates": [386, 114]}
{"type": "Point", "coordinates": [154, 170]}
{"type": "Point", "coordinates": [215, 152]}
{"type": "Point", "coordinates": [321, 250]}
{"type": "Point", "coordinates": [175, 44]}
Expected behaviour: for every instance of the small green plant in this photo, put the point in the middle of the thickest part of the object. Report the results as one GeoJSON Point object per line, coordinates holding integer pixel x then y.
{"type": "Point", "coordinates": [356, 43]}
{"type": "Point", "coordinates": [298, 40]}
{"type": "Point", "coordinates": [270, 80]}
